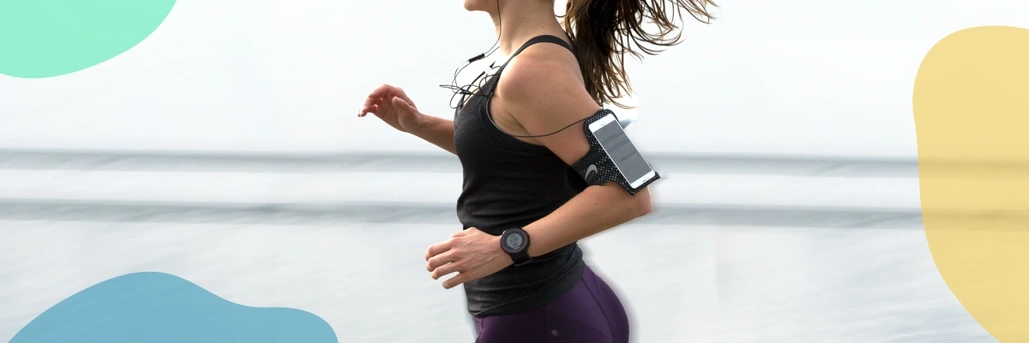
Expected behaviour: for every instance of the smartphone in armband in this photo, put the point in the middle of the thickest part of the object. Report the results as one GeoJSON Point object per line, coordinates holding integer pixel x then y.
{"type": "Point", "coordinates": [612, 155]}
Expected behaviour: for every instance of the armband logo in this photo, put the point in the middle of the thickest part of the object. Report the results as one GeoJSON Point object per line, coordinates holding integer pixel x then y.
{"type": "Point", "coordinates": [590, 171]}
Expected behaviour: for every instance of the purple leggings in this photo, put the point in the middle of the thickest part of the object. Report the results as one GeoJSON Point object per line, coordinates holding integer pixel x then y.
{"type": "Point", "coordinates": [590, 312]}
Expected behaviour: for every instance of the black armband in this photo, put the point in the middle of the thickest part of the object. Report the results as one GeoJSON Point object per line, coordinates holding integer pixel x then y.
{"type": "Point", "coordinates": [612, 156]}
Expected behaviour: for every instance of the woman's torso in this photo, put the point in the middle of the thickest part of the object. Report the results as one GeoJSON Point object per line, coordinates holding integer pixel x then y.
{"type": "Point", "coordinates": [511, 183]}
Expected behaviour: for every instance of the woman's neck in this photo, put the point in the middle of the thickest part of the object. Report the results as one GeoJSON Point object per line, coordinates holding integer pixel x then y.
{"type": "Point", "coordinates": [519, 21]}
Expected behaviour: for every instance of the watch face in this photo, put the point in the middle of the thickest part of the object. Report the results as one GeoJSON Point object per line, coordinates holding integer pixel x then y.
{"type": "Point", "coordinates": [514, 241]}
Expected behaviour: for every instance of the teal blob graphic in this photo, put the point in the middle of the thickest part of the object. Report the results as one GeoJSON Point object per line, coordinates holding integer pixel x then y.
{"type": "Point", "coordinates": [159, 308]}
{"type": "Point", "coordinates": [46, 38]}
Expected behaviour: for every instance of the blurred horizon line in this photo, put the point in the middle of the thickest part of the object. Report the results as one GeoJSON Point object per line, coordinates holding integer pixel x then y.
{"type": "Point", "coordinates": [437, 161]}
{"type": "Point", "coordinates": [831, 192]}
{"type": "Point", "coordinates": [241, 161]}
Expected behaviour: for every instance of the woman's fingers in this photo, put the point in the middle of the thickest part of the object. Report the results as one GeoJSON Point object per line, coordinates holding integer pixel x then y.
{"type": "Point", "coordinates": [436, 249]}
{"type": "Point", "coordinates": [381, 91]}
{"type": "Point", "coordinates": [445, 270]}
{"type": "Point", "coordinates": [376, 97]}
{"type": "Point", "coordinates": [405, 107]}
{"type": "Point", "coordinates": [441, 260]}
{"type": "Point", "coordinates": [369, 108]}
{"type": "Point", "coordinates": [458, 279]}
{"type": "Point", "coordinates": [366, 110]}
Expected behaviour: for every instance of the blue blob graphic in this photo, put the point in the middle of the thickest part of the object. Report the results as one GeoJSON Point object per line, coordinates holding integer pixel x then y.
{"type": "Point", "coordinates": [157, 307]}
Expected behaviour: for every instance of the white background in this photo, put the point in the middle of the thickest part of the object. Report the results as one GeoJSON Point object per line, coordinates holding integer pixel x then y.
{"type": "Point", "coordinates": [769, 77]}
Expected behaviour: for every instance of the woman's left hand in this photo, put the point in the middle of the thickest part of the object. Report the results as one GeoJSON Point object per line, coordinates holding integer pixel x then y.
{"type": "Point", "coordinates": [471, 253]}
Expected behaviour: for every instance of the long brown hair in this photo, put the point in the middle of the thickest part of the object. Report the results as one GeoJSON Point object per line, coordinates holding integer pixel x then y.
{"type": "Point", "coordinates": [603, 31]}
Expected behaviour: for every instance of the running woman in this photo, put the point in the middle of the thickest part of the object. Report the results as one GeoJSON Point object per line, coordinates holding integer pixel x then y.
{"type": "Point", "coordinates": [512, 138]}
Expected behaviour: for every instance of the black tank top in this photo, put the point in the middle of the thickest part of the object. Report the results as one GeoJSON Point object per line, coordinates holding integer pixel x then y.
{"type": "Point", "coordinates": [510, 183]}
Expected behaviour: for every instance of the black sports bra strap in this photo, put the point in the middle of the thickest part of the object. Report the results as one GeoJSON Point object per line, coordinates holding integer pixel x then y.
{"type": "Point", "coordinates": [542, 39]}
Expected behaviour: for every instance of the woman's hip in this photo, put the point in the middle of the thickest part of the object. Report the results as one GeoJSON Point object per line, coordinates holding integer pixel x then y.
{"type": "Point", "coordinates": [589, 312]}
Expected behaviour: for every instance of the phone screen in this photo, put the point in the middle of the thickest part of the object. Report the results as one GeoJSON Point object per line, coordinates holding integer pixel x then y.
{"type": "Point", "coordinates": [621, 151]}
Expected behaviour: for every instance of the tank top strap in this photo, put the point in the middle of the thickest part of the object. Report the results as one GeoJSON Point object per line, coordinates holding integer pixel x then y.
{"type": "Point", "coordinates": [544, 39]}
{"type": "Point", "coordinates": [540, 39]}
{"type": "Point", "coordinates": [491, 83]}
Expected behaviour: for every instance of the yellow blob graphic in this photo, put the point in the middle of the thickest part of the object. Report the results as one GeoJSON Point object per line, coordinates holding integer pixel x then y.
{"type": "Point", "coordinates": [971, 105]}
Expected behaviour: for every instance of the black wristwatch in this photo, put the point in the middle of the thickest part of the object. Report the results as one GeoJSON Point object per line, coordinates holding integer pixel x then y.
{"type": "Point", "coordinates": [515, 243]}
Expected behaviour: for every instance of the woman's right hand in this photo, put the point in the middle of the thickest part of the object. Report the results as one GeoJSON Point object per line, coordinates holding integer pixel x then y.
{"type": "Point", "coordinates": [394, 107]}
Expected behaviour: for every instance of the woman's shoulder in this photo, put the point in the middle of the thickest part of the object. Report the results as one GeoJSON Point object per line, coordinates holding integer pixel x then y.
{"type": "Point", "coordinates": [544, 75]}
{"type": "Point", "coordinates": [543, 92]}
{"type": "Point", "coordinates": [541, 61]}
